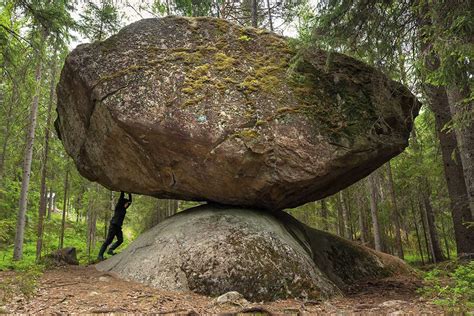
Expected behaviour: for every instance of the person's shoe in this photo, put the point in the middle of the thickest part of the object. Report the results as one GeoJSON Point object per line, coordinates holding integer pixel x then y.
{"type": "Point", "coordinates": [111, 252]}
{"type": "Point", "coordinates": [100, 258]}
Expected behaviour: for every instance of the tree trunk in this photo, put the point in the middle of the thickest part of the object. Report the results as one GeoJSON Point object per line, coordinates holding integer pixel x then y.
{"type": "Point", "coordinates": [465, 138]}
{"type": "Point", "coordinates": [48, 206]}
{"type": "Point", "coordinates": [340, 221]}
{"type": "Point", "coordinates": [324, 215]}
{"type": "Point", "coordinates": [437, 253]}
{"type": "Point", "coordinates": [91, 222]}
{"type": "Point", "coordinates": [51, 207]}
{"type": "Point", "coordinates": [63, 220]}
{"type": "Point", "coordinates": [44, 169]}
{"type": "Point", "coordinates": [254, 12]}
{"type": "Point", "coordinates": [395, 213]}
{"type": "Point", "coordinates": [418, 239]}
{"type": "Point", "coordinates": [364, 233]}
{"type": "Point", "coordinates": [8, 125]}
{"type": "Point", "coordinates": [453, 172]}
{"type": "Point", "coordinates": [445, 238]}
{"type": "Point", "coordinates": [345, 216]}
{"type": "Point", "coordinates": [457, 88]}
{"type": "Point", "coordinates": [458, 165]}
{"type": "Point", "coordinates": [28, 155]}
{"type": "Point", "coordinates": [424, 225]}
{"type": "Point", "coordinates": [373, 212]}
{"type": "Point", "coordinates": [168, 12]}
{"type": "Point", "coordinates": [269, 15]}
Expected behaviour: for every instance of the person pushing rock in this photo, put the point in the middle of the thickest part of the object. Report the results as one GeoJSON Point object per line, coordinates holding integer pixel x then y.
{"type": "Point", "coordinates": [115, 228]}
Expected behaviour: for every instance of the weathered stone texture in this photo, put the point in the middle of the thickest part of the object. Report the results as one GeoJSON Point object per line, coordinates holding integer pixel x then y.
{"type": "Point", "coordinates": [202, 109]}
{"type": "Point", "coordinates": [264, 256]}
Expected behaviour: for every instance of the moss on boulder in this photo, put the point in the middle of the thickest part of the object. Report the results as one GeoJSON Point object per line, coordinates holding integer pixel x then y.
{"type": "Point", "coordinates": [202, 109]}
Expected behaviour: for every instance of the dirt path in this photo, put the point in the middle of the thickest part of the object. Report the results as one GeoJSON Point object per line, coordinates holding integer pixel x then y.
{"type": "Point", "coordinates": [75, 289]}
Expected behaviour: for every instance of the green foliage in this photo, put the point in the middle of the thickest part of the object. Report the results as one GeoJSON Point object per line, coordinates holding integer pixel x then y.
{"type": "Point", "coordinates": [99, 21]}
{"type": "Point", "coordinates": [452, 290]}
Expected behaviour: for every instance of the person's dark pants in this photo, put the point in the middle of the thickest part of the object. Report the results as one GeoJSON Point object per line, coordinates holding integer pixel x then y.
{"type": "Point", "coordinates": [114, 230]}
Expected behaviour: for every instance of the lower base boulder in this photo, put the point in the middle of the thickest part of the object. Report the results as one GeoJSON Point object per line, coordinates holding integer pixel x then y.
{"type": "Point", "coordinates": [265, 256]}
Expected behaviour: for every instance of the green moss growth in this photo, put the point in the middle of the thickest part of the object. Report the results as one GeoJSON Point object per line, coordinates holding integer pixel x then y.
{"type": "Point", "coordinates": [221, 86]}
{"type": "Point", "coordinates": [247, 133]}
{"type": "Point", "coordinates": [206, 48]}
{"type": "Point", "coordinates": [193, 101]}
{"type": "Point", "coordinates": [188, 90]}
{"type": "Point", "coordinates": [230, 80]}
{"type": "Point", "coordinates": [221, 25]}
{"type": "Point", "coordinates": [267, 70]}
{"type": "Point", "coordinates": [187, 57]}
{"type": "Point", "coordinates": [244, 38]}
{"type": "Point", "coordinates": [250, 84]}
{"type": "Point", "coordinates": [120, 73]}
{"type": "Point", "coordinates": [196, 79]}
{"type": "Point", "coordinates": [223, 61]}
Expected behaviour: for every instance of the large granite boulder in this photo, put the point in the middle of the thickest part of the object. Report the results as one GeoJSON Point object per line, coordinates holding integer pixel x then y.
{"type": "Point", "coordinates": [264, 256]}
{"type": "Point", "coordinates": [202, 109]}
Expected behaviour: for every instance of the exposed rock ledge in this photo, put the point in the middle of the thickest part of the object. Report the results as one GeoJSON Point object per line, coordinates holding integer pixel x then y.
{"type": "Point", "coordinates": [264, 256]}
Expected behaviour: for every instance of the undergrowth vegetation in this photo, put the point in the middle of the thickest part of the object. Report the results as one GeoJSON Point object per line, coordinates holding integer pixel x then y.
{"type": "Point", "coordinates": [451, 286]}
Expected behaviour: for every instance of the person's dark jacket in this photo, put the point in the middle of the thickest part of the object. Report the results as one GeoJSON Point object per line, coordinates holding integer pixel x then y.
{"type": "Point", "coordinates": [120, 209]}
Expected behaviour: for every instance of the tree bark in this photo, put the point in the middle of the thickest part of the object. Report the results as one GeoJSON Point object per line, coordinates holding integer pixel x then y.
{"type": "Point", "coordinates": [339, 221]}
{"type": "Point", "coordinates": [395, 213]}
{"type": "Point", "coordinates": [445, 238]}
{"type": "Point", "coordinates": [373, 212]}
{"type": "Point", "coordinates": [345, 216]}
{"type": "Point", "coordinates": [364, 233]}
{"type": "Point", "coordinates": [420, 248]}
{"type": "Point", "coordinates": [28, 155]}
{"type": "Point", "coordinates": [63, 220]}
{"type": "Point", "coordinates": [254, 12]}
{"type": "Point", "coordinates": [51, 206]}
{"type": "Point", "coordinates": [424, 225]}
{"type": "Point", "coordinates": [91, 222]}
{"type": "Point", "coordinates": [437, 253]}
{"type": "Point", "coordinates": [44, 169]}
{"type": "Point", "coordinates": [8, 125]}
{"type": "Point", "coordinates": [453, 171]}
{"type": "Point", "coordinates": [465, 138]}
{"type": "Point", "coordinates": [324, 215]}
{"type": "Point", "coordinates": [270, 21]}
{"type": "Point", "coordinates": [457, 148]}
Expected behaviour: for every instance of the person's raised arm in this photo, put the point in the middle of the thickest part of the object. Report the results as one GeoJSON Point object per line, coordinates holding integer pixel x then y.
{"type": "Point", "coordinates": [130, 197]}
{"type": "Point", "coordinates": [122, 196]}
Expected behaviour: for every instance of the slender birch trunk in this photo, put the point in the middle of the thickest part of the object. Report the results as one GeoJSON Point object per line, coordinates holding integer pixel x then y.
{"type": "Point", "coordinates": [27, 158]}
{"type": "Point", "coordinates": [374, 213]}
{"type": "Point", "coordinates": [395, 213]}
{"type": "Point", "coordinates": [44, 169]}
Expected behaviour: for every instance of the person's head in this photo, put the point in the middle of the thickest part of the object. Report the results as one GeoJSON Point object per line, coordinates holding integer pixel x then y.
{"type": "Point", "coordinates": [127, 203]}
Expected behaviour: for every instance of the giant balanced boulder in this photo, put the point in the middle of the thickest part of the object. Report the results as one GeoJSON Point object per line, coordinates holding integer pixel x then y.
{"type": "Point", "coordinates": [202, 109]}
{"type": "Point", "coordinates": [263, 255]}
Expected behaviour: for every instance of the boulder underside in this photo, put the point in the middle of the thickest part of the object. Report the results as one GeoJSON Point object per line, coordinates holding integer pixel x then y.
{"type": "Point", "coordinates": [264, 256]}
{"type": "Point", "coordinates": [202, 109]}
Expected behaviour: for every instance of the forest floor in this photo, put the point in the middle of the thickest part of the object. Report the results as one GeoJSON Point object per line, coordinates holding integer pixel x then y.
{"type": "Point", "coordinates": [79, 289]}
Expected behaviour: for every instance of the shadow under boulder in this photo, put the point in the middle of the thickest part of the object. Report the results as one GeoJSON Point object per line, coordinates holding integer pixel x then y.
{"type": "Point", "coordinates": [215, 249]}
